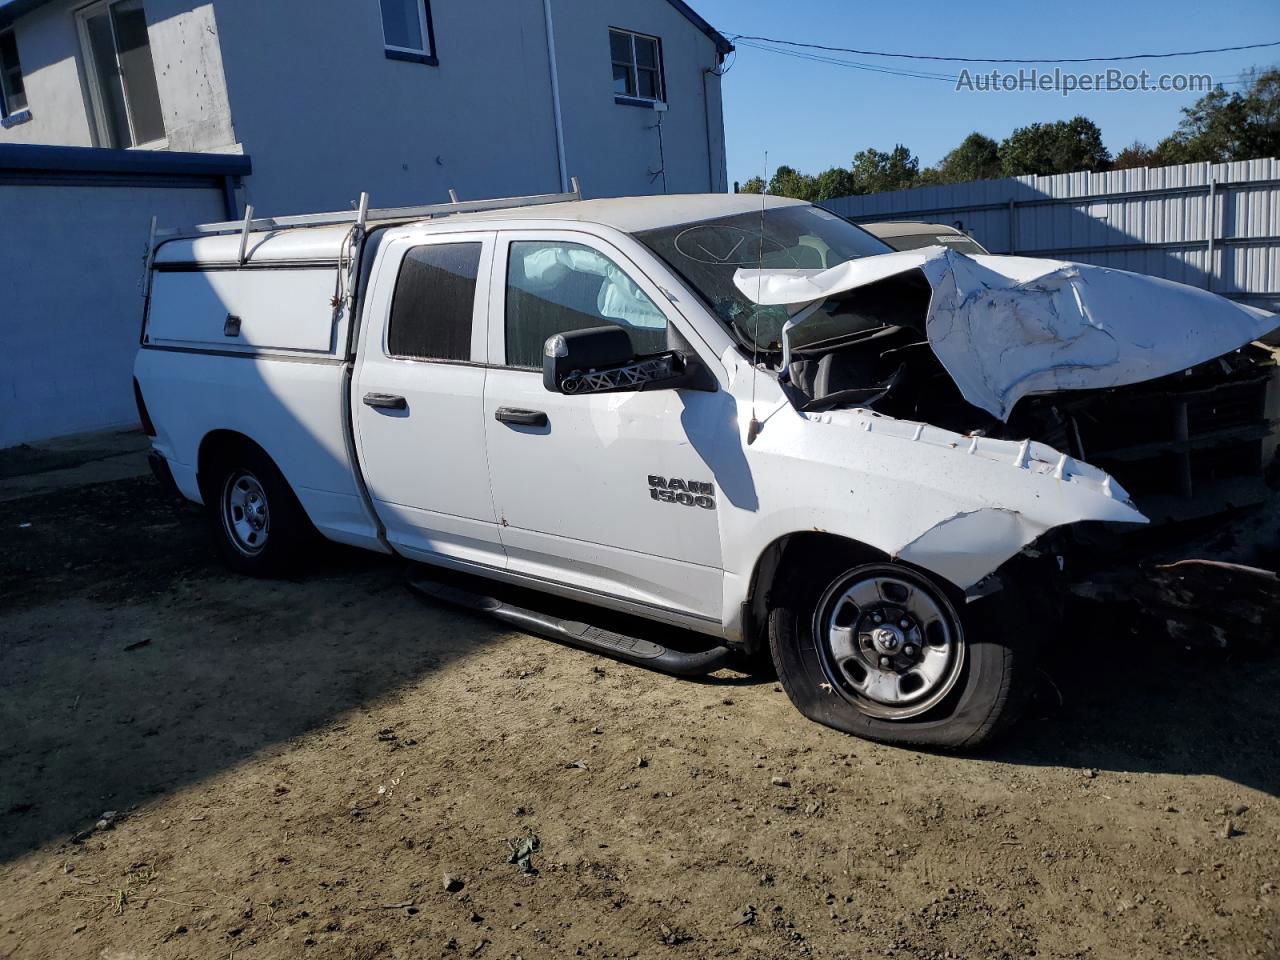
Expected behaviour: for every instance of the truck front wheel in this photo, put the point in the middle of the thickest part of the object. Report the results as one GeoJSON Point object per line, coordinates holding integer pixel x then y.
{"type": "Point", "coordinates": [256, 521]}
{"type": "Point", "coordinates": [880, 650]}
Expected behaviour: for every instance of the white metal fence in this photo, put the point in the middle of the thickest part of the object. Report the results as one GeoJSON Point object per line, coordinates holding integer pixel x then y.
{"type": "Point", "coordinates": [1215, 226]}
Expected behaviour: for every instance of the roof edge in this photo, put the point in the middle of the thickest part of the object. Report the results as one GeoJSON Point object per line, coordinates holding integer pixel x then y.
{"type": "Point", "coordinates": [13, 9]}
{"type": "Point", "coordinates": [44, 159]}
{"type": "Point", "coordinates": [723, 46]}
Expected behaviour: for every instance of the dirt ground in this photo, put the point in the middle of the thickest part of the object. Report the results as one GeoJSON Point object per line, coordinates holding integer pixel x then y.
{"type": "Point", "coordinates": [335, 768]}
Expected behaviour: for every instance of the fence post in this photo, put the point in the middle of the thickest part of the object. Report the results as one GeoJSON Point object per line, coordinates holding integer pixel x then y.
{"type": "Point", "coordinates": [1210, 230]}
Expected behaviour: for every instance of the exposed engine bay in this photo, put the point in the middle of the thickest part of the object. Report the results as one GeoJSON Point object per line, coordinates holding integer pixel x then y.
{"type": "Point", "coordinates": [1186, 444]}
{"type": "Point", "coordinates": [1194, 442]}
{"type": "Point", "coordinates": [1167, 392]}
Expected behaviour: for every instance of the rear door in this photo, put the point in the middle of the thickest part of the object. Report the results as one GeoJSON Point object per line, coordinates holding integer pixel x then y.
{"type": "Point", "coordinates": [613, 494]}
{"type": "Point", "coordinates": [418, 393]}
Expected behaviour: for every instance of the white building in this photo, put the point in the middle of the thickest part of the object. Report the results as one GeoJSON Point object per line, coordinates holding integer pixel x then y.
{"type": "Point", "coordinates": [403, 98]}
{"type": "Point", "coordinates": [205, 106]}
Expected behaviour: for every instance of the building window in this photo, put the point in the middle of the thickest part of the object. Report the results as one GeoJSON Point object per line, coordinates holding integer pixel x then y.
{"type": "Point", "coordinates": [13, 95]}
{"type": "Point", "coordinates": [433, 303]}
{"type": "Point", "coordinates": [120, 74]}
{"type": "Point", "coordinates": [637, 65]}
{"type": "Point", "coordinates": [407, 32]}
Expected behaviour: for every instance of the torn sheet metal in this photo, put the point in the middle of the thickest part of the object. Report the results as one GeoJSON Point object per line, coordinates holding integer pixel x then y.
{"type": "Point", "coordinates": [971, 540]}
{"type": "Point", "coordinates": [1007, 327]}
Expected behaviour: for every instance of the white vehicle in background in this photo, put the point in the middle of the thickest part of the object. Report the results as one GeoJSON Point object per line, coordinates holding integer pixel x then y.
{"type": "Point", "coordinates": [911, 235]}
{"type": "Point", "coordinates": [738, 415]}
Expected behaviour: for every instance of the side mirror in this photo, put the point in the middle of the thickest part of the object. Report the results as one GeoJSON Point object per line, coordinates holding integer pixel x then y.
{"type": "Point", "coordinates": [601, 360]}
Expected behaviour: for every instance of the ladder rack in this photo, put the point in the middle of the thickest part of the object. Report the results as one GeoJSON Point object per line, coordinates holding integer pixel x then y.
{"type": "Point", "coordinates": [364, 215]}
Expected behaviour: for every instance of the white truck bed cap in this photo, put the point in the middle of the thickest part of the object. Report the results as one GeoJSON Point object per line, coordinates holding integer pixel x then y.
{"type": "Point", "coordinates": [298, 243]}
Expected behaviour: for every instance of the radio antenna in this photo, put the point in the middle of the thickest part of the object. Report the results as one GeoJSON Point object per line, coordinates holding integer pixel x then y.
{"type": "Point", "coordinates": [755, 426]}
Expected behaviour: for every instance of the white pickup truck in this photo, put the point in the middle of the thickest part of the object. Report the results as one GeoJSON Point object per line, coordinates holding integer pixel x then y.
{"type": "Point", "coordinates": [738, 415]}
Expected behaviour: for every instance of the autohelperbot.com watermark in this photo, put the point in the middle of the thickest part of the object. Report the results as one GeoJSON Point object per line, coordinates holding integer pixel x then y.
{"type": "Point", "coordinates": [1112, 80]}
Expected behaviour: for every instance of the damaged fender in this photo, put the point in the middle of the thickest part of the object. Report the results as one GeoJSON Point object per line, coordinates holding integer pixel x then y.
{"type": "Point", "coordinates": [957, 506]}
{"type": "Point", "coordinates": [1006, 327]}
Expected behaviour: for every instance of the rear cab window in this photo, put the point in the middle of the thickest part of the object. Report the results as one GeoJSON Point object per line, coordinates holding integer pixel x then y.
{"type": "Point", "coordinates": [433, 306]}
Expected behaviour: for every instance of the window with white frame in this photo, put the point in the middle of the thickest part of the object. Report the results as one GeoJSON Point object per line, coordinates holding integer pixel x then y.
{"type": "Point", "coordinates": [407, 33]}
{"type": "Point", "coordinates": [637, 65]}
{"type": "Point", "coordinates": [13, 94]}
{"type": "Point", "coordinates": [120, 74]}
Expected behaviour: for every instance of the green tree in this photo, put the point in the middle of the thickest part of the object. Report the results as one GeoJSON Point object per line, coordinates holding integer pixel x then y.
{"type": "Point", "coordinates": [1137, 154]}
{"type": "Point", "coordinates": [977, 158]}
{"type": "Point", "coordinates": [1221, 126]}
{"type": "Point", "coordinates": [875, 171]}
{"type": "Point", "coordinates": [789, 182]}
{"type": "Point", "coordinates": [835, 182]}
{"type": "Point", "coordinates": [872, 171]}
{"type": "Point", "coordinates": [1064, 146]}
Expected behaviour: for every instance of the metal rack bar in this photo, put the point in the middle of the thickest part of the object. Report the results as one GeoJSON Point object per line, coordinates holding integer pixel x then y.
{"type": "Point", "coordinates": [249, 225]}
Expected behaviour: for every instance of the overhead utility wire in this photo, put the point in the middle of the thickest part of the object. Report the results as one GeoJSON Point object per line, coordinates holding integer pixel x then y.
{"type": "Point", "coordinates": [1233, 80]}
{"type": "Point", "coordinates": [869, 67]}
{"type": "Point", "coordinates": [921, 56]}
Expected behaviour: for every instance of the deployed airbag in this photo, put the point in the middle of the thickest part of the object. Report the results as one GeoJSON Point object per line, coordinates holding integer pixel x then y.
{"type": "Point", "coordinates": [1007, 327]}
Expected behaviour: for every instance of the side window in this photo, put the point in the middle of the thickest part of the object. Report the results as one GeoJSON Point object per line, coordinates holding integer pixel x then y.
{"type": "Point", "coordinates": [116, 46]}
{"type": "Point", "coordinates": [554, 287]}
{"type": "Point", "coordinates": [407, 32]}
{"type": "Point", "coordinates": [637, 65]}
{"type": "Point", "coordinates": [433, 303]}
{"type": "Point", "coordinates": [13, 95]}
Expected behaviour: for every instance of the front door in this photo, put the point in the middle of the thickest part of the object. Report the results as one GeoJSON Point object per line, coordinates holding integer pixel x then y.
{"type": "Point", "coordinates": [418, 393]}
{"type": "Point", "coordinates": [612, 494]}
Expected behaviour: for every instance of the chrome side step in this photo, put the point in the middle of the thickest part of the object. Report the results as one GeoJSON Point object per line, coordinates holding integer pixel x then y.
{"type": "Point", "coordinates": [644, 653]}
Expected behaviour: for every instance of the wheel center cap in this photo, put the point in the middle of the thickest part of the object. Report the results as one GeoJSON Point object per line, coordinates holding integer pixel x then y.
{"type": "Point", "coordinates": [887, 638]}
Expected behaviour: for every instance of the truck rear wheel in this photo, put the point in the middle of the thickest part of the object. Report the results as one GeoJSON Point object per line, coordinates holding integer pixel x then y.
{"type": "Point", "coordinates": [882, 651]}
{"type": "Point", "coordinates": [257, 523]}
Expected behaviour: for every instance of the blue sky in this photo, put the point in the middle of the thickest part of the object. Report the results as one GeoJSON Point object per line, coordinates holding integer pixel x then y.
{"type": "Point", "coordinates": [813, 115]}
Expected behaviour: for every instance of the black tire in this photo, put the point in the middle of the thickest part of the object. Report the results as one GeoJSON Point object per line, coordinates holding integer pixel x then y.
{"type": "Point", "coordinates": [272, 542]}
{"type": "Point", "coordinates": [987, 691]}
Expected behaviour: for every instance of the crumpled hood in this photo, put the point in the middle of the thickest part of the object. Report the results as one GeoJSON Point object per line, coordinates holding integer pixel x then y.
{"type": "Point", "coordinates": [1006, 327]}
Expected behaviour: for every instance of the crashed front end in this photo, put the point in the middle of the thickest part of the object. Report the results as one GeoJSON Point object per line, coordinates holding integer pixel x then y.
{"type": "Point", "coordinates": [1166, 388]}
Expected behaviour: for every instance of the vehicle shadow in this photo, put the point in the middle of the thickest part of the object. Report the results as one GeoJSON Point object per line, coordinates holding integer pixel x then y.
{"type": "Point", "coordinates": [1126, 704]}
{"type": "Point", "coordinates": [133, 665]}
{"type": "Point", "coordinates": [128, 672]}
{"type": "Point", "coordinates": [1150, 705]}
{"type": "Point", "coordinates": [742, 671]}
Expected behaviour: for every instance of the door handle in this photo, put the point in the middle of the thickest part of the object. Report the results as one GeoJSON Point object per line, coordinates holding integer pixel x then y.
{"type": "Point", "coordinates": [521, 418]}
{"type": "Point", "coordinates": [385, 401]}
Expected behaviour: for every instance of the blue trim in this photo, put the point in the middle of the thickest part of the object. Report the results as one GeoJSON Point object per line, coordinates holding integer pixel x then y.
{"type": "Point", "coordinates": [13, 119]}
{"type": "Point", "coordinates": [13, 9]}
{"type": "Point", "coordinates": [634, 101]}
{"type": "Point", "coordinates": [229, 205]}
{"type": "Point", "coordinates": [429, 59]}
{"type": "Point", "coordinates": [29, 158]}
{"type": "Point", "coordinates": [723, 46]}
